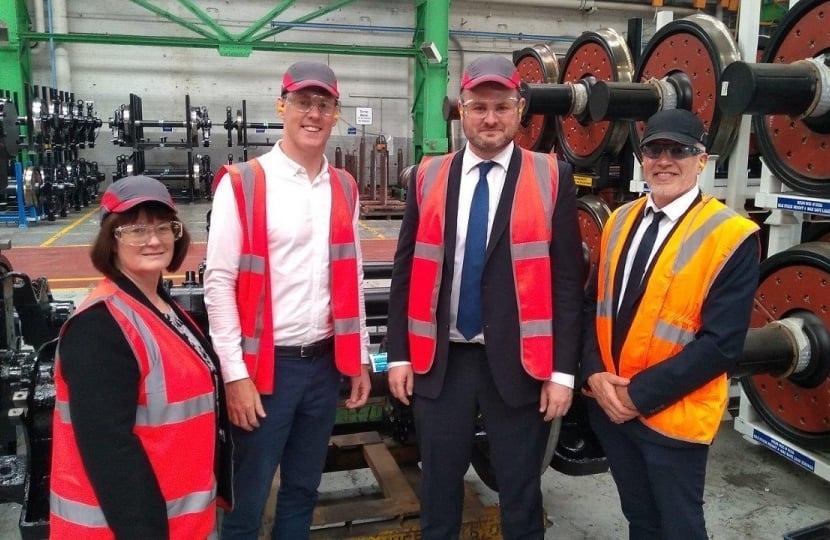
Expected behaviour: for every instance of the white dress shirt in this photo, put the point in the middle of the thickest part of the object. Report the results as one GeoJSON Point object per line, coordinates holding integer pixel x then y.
{"type": "Point", "coordinates": [298, 222]}
{"type": "Point", "coordinates": [673, 212]}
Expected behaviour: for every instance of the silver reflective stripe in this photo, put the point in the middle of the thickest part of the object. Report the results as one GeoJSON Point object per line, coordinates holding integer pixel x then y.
{"type": "Point", "coordinates": [154, 384]}
{"type": "Point", "coordinates": [690, 244]}
{"type": "Point", "coordinates": [420, 328]}
{"type": "Point", "coordinates": [605, 305]}
{"type": "Point", "coordinates": [346, 185]}
{"type": "Point", "coordinates": [174, 412]}
{"type": "Point", "coordinates": [342, 251]}
{"type": "Point", "coordinates": [63, 410]}
{"type": "Point", "coordinates": [159, 410]}
{"type": "Point", "coordinates": [431, 173]}
{"type": "Point", "coordinates": [246, 172]}
{"type": "Point", "coordinates": [251, 263]}
{"type": "Point", "coordinates": [673, 334]}
{"type": "Point", "coordinates": [545, 182]}
{"type": "Point", "coordinates": [92, 516]}
{"type": "Point", "coordinates": [75, 512]}
{"type": "Point", "coordinates": [537, 328]}
{"type": "Point", "coordinates": [531, 250]}
{"type": "Point", "coordinates": [192, 503]}
{"type": "Point", "coordinates": [347, 326]}
{"type": "Point", "coordinates": [604, 309]}
{"type": "Point", "coordinates": [430, 252]}
{"type": "Point", "coordinates": [250, 345]}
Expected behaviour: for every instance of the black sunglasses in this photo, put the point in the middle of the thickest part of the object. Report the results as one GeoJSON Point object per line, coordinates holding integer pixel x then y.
{"type": "Point", "coordinates": [676, 151]}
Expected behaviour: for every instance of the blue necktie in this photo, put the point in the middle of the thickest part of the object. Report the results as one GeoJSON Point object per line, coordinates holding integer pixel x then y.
{"type": "Point", "coordinates": [469, 299]}
{"type": "Point", "coordinates": [638, 267]}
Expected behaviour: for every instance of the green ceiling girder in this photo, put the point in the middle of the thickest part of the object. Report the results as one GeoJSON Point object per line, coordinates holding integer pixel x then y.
{"type": "Point", "coordinates": [173, 18]}
{"type": "Point", "coordinates": [205, 18]}
{"type": "Point", "coordinates": [305, 18]}
{"type": "Point", "coordinates": [228, 43]}
{"type": "Point", "coordinates": [215, 43]}
{"type": "Point", "coordinates": [265, 19]}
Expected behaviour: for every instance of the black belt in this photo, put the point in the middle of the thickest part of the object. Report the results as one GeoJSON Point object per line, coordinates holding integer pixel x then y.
{"type": "Point", "coordinates": [306, 351]}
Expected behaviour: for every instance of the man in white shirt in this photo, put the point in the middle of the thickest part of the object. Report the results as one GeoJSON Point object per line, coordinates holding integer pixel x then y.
{"type": "Point", "coordinates": [284, 295]}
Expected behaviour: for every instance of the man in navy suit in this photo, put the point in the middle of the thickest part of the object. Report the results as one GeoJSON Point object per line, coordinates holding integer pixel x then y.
{"type": "Point", "coordinates": [485, 302]}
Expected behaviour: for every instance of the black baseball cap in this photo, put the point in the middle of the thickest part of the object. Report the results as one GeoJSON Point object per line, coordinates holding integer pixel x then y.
{"type": "Point", "coordinates": [677, 125]}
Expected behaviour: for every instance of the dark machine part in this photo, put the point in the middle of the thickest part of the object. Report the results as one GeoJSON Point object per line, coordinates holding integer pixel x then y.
{"type": "Point", "coordinates": [788, 96]}
{"type": "Point", "coordinates": [34, 407]}
{"type": "Point", "coordinates": [537, 65]}
{"type": "Point", "coordinates": [595, 56]}
{"type": "Point", "coordinates": [790, 89]}
{"type": "Point", "coordinates": [681, 66]}
{"type": "Point", "coordinates": [9, 136]}
{"type": "Point", "coordinates": [128, 124]}
{"type": "Point", "coordinates": [27, 395]}
{"type": "Point", "coordinates": [242, 125]}
{"type": "Point", "coordinates": [638, 101]}
{"type": "Point", "coordinates": [592, 213]}
{"type": "Point", "coordinates": [791, 390]}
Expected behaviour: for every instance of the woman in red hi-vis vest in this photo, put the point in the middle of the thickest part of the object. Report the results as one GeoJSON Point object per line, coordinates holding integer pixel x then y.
{"type": "Point", "coordinates": [141, 442]}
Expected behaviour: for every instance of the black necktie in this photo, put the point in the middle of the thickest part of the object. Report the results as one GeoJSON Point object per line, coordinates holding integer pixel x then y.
{"type": "Point", "coordinates": [638, 267]}
{"type": "Point", "coordinates": [468, 321]}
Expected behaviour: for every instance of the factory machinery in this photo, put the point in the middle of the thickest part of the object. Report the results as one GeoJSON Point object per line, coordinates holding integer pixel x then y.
{"type": "Point", "coordinates": [766, 107]}
{"type": "Point", "coordinates": [44, 173]}
{"type": "Point", "coordinates": [590, 108]}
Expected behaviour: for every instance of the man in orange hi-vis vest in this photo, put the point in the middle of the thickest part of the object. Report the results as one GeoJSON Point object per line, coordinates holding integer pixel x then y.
{"type": "Point", "coordinates": [677, 274]}
{"type": "Point", "coordinates": [485, 306]}
{"type": "Point", "coordinates": [284, 294]}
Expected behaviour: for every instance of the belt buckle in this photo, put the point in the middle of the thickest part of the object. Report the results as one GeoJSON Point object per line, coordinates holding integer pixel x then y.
{"type": "Point", "coordinates": [305, 351]}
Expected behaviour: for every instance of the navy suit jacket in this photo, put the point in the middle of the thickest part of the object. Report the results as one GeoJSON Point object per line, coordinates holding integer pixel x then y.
{"type": "Point", "coordinates": [500, 312]}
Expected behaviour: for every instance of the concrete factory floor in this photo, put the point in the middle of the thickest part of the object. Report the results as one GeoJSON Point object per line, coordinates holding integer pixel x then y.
{"type": "Point", "coordinates": [751, 492]}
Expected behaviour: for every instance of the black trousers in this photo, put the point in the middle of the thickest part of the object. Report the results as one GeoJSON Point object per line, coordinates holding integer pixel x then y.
{"type": "Point", "coordinates": [660, 482]}
{"type": "Point", "coordinates": [445, 430]}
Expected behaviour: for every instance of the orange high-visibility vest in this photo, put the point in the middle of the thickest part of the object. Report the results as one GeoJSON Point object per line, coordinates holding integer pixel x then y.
{"type": "Point", "coordinates": [176, 406]}
{"type": "Point", "coordinates": [530, 236]}
{"type": "Point", "coordinates": [668, 316]}
{"type": "Point", "coordinates": [253, 289]}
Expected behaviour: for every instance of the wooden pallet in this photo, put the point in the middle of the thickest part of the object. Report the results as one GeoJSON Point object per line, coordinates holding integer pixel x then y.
{"type": "Point", "coordinates": [391, 510]}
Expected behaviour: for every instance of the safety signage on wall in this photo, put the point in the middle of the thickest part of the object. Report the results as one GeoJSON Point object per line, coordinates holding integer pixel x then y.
{"type": "Point", "coordinates": [363, 116]}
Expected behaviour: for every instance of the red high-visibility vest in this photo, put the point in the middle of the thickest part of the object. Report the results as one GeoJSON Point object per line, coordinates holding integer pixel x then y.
{"type": "Point", "coordinates": [176, 406]}
{"type": "Point", "coordinates": [668, 316]}
{"type": "Point", "coordinates": [530, 237]}
{"type": "Point", "coordinates": [253, 289]}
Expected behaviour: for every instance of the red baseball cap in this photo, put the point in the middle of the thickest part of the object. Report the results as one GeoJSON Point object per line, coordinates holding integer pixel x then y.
{"type": "Point", "coordinates": [127, 192]}
{"type": "Point", "coordinates": [301, 75]}
{"type": "Point", "coordinates": [490, 68]}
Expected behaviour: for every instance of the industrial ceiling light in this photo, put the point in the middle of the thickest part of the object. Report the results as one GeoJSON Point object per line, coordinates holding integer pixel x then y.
{"type": "Point", "coordinates": [431, 52]}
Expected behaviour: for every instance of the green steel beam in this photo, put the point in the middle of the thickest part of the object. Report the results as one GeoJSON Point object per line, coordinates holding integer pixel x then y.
{"type": "Point", "coordinates": [205, 18]}
{"type": "Point", "coordinates": [173, 18]}
{"type": "Point", "coordinates": [305, 18]}
{"type": "Point", "coordinates": [15, 66]}
{"type": "Point", "coordinates": [257, 26]}
{"type": "Point", "coordinates": [430, 128]}
{"type": "Point", "coordinates": [198, 43]}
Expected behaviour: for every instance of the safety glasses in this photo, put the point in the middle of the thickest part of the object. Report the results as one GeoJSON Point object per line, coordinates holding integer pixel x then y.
{"type": "Point", "coordinates": [676, 151]}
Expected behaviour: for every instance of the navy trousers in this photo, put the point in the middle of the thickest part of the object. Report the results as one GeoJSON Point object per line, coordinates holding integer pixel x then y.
{"type": "Point", "coordinates": [660, 483]}
{"type": "Point", "coordinates": [294, 436]}
{"type": "Point", "coordinates": [445, 428]}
